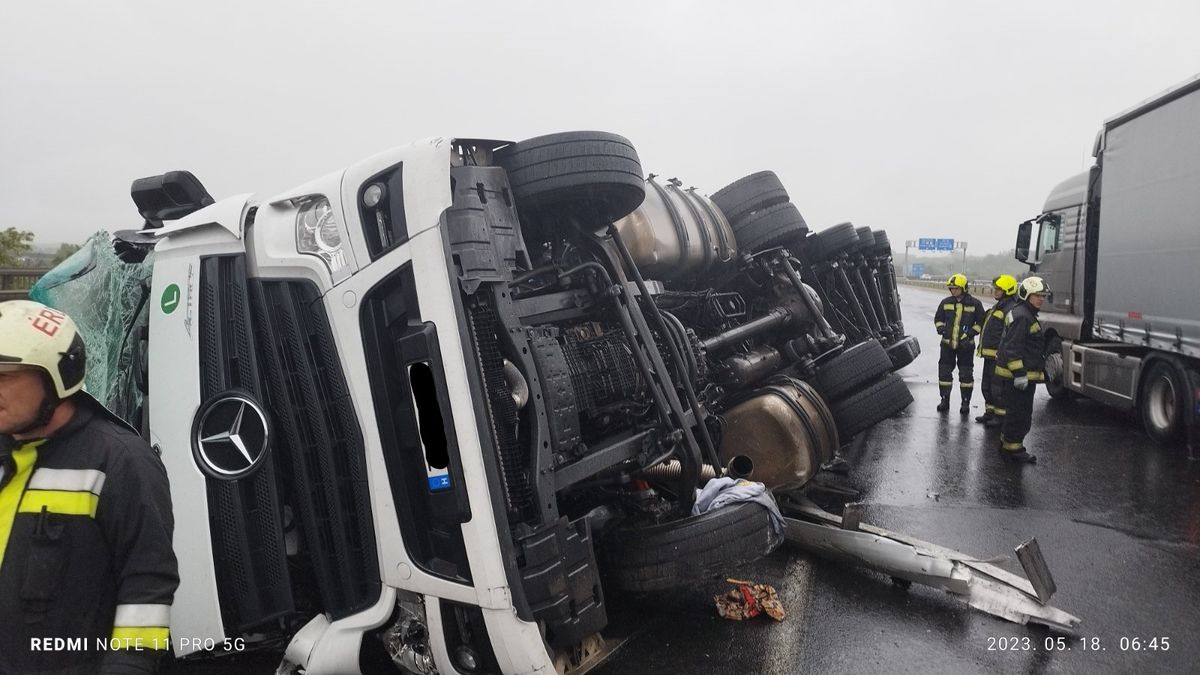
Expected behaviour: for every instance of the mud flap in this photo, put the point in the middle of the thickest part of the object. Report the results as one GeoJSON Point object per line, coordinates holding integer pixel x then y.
{"type": "Point", "coordinates": [976, 582]}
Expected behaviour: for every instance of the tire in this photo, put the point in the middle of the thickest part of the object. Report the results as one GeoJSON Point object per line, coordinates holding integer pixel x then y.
{"type": "Point", "coordinates": [588, 174]}
{"type": "Point", "coordinates": [774, 225]}
{"type": "Point", "coordinates": [903, 352]}
{"type": "Point", "coordinates": [1161, 402]}
{"type": "Point", "coordinates": [679, 553]}
{"type": "Point", "coordinates": [870, 406]}
{"type": "Point", "coordinates": [836, 239]}
{"type": "Point", "coordinates": [751, 193]}
{"type": "Point", "coordinates": [1056, 388]}
{"type": "Point", "coordinates": [883, 247]}
{"type": "Point", "coordinates": [866, 240]}
{"type": "Point", "coordinates": [853, 368]}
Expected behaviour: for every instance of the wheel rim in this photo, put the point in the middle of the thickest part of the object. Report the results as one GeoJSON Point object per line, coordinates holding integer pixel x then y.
{"type": "Point", "coordinates": [1056, 384]}
{"type": "Point", "coordinates": [1162, 403]}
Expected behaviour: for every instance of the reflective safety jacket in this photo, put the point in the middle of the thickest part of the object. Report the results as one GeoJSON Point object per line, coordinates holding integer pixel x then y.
{"type": "Point", "coordinates": [958, 319]}
{"type": "Point", "coordinates": [87, 572]}
{"type": "Point", "coordinates": [993, 326]}
{"type": "Point", "coordinates": [1022, 349]}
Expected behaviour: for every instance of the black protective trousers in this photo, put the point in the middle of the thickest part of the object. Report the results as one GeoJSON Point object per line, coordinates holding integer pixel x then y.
{"type": "Point", "coordinates": [964, 358]}
{"type": "Point", "coordinates": [993, 388]}
{"type": "Point", "coordinates": [1018, 417]}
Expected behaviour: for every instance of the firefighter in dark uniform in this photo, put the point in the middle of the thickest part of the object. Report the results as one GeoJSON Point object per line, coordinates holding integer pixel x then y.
{"type": "Point", "coordinates": [87, 572]}
{"type": "Point", "coordinates": [1020, 363]}
{"type": "Point", "coordinates": [958, 320]}
{"type": "Point", "coordinates": [1004, 292]}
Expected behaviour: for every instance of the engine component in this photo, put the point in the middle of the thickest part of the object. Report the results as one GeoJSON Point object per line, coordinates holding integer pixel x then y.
{"type": "Point", "coordinates": [786, 429]}
{"type": "Point", "coordinates": [743, 370]}
{"type": "Point", "coordinates": [602, 369]}
{"type": "Point", "coordinates": [676, 232]}
{"type": "Point", "coordinates": [771, 320]}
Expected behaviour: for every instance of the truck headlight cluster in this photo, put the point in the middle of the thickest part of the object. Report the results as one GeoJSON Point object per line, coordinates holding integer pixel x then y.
{"type": "Point", "coordinates": [318, 233]}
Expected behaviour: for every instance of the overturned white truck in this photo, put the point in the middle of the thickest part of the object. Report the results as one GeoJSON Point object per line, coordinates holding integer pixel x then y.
{"type": "Point", "coordinates": [432, 407]}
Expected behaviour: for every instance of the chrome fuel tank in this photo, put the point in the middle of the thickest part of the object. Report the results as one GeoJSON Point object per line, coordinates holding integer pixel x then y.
{"type": "Point", "coordinates": [676, 233]}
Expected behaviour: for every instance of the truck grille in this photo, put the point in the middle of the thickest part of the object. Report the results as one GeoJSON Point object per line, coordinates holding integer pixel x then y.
{"type": "Point", "coordinates": [245, 515]}
{"type": "Point", "coordinates": [319, 447]}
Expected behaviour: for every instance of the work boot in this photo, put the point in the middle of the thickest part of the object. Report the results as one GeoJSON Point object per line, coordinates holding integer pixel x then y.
{"type": "Point", "coordinates": [944, 405]}
{"type": "Point", "coordinates": [984, 418]}
{"type": "Point", "coordinates": [1022, 457]}
{"type": "Point", "coordinates": [964, 408]}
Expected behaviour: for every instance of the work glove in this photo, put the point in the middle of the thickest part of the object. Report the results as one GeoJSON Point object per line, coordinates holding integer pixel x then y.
{"type": "Point", "coordinates": [1021, 383]}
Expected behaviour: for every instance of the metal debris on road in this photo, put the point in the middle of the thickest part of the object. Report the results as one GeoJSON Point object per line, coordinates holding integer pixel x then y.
{"type": "Point", "coordinates": [977, 582]}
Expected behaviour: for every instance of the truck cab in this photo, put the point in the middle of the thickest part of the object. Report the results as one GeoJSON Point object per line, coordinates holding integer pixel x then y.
{"type": "Point", "coordinates": [1117, 246]}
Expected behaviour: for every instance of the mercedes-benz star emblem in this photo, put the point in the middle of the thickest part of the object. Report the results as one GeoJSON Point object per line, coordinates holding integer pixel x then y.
{"type": "Point", "coordinates": [231, 437]}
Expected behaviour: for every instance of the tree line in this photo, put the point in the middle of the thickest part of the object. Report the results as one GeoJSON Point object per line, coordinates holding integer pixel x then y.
{"type": "Point", "coordinates": [16, 246]}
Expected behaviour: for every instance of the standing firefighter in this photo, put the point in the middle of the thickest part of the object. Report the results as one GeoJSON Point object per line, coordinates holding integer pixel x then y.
{"type": "Point", "coordinates": [1020, 362]}
{"type": "Point", "coordinates": [1004, 292]}
{"type": "Point", "coordinates": [957, 320]}
{"type": "Point", "coordinates": [87, 573]}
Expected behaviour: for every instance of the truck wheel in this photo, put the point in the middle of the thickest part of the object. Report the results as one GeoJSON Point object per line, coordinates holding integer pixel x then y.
{"type": "Point", "coordinates": [1055, 387]}
{"type": "Point", "coordinates": [850, 370]}
{"type": "Point", "coordinates": [769, 227]}
{"type": "Point", "coordinates": [751, 193]}
{"type": "Point", "coordinates": [870, 406]}
{"type": "Point", "coordinates": [834, 240]}
{"type": "Point", "coordinates": [679, 553]}
{"type": "Point", "coordinates": [883, 247]}
{"type": "Point", "coordinates": [1162, 402]}
{"type": "Point", "coordinates": [903, 352]}
{"type": "Point", "coordinates": [593, 175]}
{"type": "Point", "coordinates": [866, 240]}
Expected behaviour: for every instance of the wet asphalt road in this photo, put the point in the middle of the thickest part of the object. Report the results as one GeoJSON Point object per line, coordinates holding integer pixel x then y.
{"type": "Point", "coordinates": [1117, 517]}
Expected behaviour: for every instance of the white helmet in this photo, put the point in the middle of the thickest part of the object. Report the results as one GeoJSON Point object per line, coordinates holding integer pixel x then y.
{"type": "Point", "coordinates": [1032, 286]}
{"type": "Point", "coordinates": [33, 335]}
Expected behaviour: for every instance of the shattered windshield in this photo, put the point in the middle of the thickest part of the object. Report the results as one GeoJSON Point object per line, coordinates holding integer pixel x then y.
{"type": "Point", "coordinates": [105, 292]}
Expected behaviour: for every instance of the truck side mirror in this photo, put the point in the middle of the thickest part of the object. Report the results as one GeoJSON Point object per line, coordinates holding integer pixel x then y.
{"type": "Point", "coordinates": [1024, 234]}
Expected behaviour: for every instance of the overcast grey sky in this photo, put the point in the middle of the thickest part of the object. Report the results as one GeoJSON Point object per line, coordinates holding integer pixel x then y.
{"type": "Point", "coordinates": [925, 118]}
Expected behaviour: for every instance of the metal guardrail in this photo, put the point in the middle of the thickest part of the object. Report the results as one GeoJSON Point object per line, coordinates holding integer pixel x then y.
{"type": "Point", "coordinates": [15, 282]}
{"type": "Point", "coordinates": [976, 289]}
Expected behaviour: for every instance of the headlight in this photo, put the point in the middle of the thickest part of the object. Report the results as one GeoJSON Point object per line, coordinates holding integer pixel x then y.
{"type": "Point", "coordinates": [318, 233]}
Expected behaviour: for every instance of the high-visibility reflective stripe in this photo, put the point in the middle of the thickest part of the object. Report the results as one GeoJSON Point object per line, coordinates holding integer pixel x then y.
{"type": "Point", "coordinates": [1003, 372]}
{"type": "Point", "coordinates": [939, 324]}
{"type": "Point", "coordinates": [969, 308]}
{"type": "Point", "coordinates": [142, 637]}
{"type": "Point", "coordinates": [1035, 328]}
{"type": "Point", "coordinates": [1035, 376]}
{"type": "Point", "coordinates": [59, 501]}
{"type": "Point", "coordinates": [1016, 364]}
{"type": "Point", "coordinates": [137, 616]}
{"type": "Point", "coordinates": [998, 314]}
{"type": "Point", "coordinates": [948, 305]}
{"type": "Point", "coordinates": [958, 310]}
{"type": "Point", "coordinates": [988, 352]}
{"type": "Point", "coordinates": [999, 412]}
{"type": "Point", "coordinates": [72, 480]}
{"type": "Point", "coordinates": [24, 457]}
{"type": "Point", "coordinates": [966, 385]}
{"type": "Point", "coordinates": [946, 384]}
{"type": "Point", "coordinates": [989, 408]}
{"type": "Point", "coordinates": [1011, 446]}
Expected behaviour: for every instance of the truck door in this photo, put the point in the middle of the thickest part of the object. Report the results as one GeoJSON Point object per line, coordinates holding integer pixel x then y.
{"type": "Point", "coordinates": [1059, 249]}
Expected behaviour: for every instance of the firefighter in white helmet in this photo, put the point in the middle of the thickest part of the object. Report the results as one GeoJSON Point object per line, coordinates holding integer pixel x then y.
{"type": "Point", "coordinates": [85, 513]}
{"type": "Point", "coordinates": [1020, 363]}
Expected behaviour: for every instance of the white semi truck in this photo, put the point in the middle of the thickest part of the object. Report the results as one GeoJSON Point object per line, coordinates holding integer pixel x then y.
{"type": "Point", "coordinates": [1119, 246]}
{"type": "Point", "coordinates": [428, 410]}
